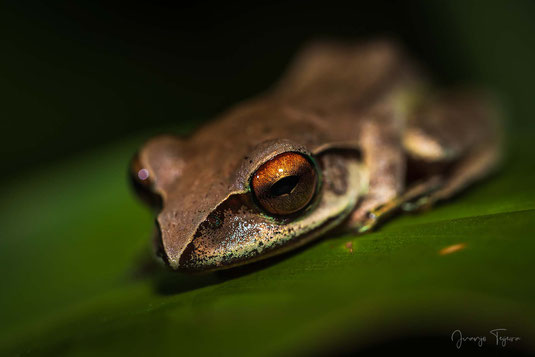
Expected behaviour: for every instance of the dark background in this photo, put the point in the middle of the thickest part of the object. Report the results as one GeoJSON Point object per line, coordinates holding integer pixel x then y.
{"type": "Point", "coordinates": [82, 82]}
{"type": "Point", "coordinates": [80, 74]}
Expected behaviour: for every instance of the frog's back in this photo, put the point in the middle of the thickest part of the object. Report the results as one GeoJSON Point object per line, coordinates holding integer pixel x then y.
{"type": "Point", "coordinates": [334, 76]}
{"type": "Point", "coordinates": [320, 102]}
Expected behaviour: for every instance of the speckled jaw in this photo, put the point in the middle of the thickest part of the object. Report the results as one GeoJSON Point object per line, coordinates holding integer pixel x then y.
{"type": "Point", "coordinates": [238, 232]}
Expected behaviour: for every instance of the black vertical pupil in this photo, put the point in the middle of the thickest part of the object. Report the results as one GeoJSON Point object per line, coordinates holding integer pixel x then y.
{"type": "Point", "coordinates": [284, 186]}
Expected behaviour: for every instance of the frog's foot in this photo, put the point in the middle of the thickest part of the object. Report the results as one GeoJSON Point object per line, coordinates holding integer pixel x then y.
{"type": "Point", "coordinates": [475, 166]}
{"type": "Point", "coordinates": [373, 211]}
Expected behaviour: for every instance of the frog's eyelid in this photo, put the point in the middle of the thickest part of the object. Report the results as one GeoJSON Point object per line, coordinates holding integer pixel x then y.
{"type": "Point", "coordinates": [163, 159]}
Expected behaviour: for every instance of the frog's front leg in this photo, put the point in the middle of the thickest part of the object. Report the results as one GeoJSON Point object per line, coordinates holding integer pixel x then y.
{"type": "Point", "coordinates": [454, 132]}
{"type": "Point", "coordinates": [381, 144]}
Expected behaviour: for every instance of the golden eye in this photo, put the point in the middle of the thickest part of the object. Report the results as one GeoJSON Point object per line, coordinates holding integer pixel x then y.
{"type": "Point", "coordinates": [285, 184]}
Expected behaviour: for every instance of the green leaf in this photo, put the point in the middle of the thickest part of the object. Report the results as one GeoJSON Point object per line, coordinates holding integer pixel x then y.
{"type": "Point", "coordinates": [72, 236]}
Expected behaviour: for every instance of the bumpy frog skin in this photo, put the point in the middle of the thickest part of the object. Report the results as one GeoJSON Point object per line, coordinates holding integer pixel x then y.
{"type": "Point", "coordinates": [351, 133]}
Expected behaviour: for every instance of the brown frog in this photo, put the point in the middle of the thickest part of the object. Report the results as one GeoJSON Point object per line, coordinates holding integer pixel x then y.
{"type": "Point", "coordinates": [352, 133]}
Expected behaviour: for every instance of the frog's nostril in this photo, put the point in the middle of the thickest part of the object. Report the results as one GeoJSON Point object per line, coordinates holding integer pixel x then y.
{"type": "Point", "coordinates": [158, 243]}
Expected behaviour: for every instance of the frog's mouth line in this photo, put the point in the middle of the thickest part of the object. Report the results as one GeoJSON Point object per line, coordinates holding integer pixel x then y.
{"type": "Point", "coordinates": [187, 256]}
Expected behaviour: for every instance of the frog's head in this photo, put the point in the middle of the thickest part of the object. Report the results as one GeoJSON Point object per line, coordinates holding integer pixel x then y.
{"type": "Point", "coordinates": [219, 208]}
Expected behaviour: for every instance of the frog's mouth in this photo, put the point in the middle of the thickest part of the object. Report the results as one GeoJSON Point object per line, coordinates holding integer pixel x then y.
{"type": "Point", "coordinates": [237, 232]}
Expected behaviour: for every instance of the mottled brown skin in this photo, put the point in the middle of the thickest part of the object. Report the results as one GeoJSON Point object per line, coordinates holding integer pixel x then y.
{"type": "Point", "coordinates": [363, 113]}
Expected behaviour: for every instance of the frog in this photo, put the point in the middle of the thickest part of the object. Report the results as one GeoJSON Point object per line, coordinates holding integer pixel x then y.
{"type": "Point", "coordinates": [352, 133]}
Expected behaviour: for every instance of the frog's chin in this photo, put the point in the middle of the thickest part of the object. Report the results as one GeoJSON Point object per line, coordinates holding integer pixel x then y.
{"type": "Point", "coordinates": [236, 234]}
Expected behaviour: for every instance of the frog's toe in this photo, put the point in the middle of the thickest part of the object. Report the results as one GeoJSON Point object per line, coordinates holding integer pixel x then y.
{"type": "Point", "coordinates": [366, 218]}
{"type": "Point", "coordinates": [421, 204]}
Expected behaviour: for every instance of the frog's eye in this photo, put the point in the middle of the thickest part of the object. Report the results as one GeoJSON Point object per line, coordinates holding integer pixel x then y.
{"type": "Point", "coordinates": [143, 183]}
{"type": "Point", "coordinates": [285, 184]}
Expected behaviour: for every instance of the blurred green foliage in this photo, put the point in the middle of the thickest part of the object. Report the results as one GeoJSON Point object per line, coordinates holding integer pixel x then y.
{"type": "Point", "coordinates": [86, 75]}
